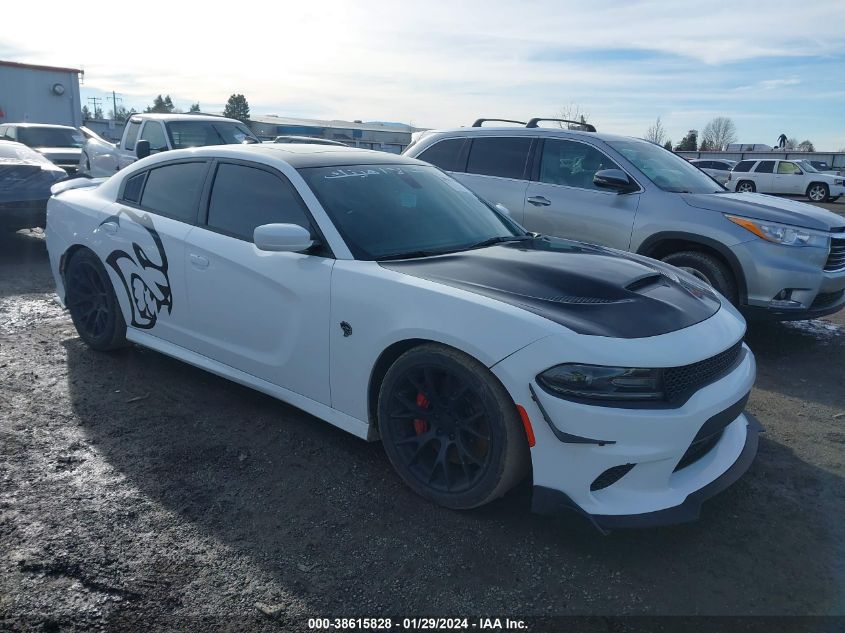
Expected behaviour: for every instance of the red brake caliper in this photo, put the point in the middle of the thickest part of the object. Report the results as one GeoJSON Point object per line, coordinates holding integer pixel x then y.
{"type": "Point", "coordinates": [421, 426]}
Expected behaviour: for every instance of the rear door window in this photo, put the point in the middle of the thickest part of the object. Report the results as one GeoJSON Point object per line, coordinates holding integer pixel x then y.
{"type": "Point", "coordinates": [504, 157]}
{"type": "Point", "coordinates": [244, 197]}
{"type": "Point", "coordinates": [445, 154]}
{"type": "Point", "coordinates": [174, 190]}
{"type": "Point", "coordinates": [765, 167]}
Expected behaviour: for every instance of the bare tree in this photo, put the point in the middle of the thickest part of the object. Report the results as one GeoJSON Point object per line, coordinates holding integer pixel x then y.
{"type": "Point", "coordinates": [656, 133]}
{"type": "Point", "coordinates": [572, 112]}
{"type": "Point", "coordinates": [806, 146]}
{"type": "Point", "coordinates": [791, 143]}
{"type": "Point", "coordinates": [719, 133]}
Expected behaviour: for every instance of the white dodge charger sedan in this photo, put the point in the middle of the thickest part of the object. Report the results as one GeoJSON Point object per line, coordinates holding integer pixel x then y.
{"type": "Point", "coordinates": [379, 294]}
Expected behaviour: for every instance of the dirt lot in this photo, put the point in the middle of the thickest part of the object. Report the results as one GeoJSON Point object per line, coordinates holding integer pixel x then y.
{"type": "Point", "coordinates": [138, 493]}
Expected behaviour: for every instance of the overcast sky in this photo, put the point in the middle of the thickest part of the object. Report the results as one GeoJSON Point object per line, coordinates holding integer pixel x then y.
{"type": "Point", "coordinates": [771, 66]}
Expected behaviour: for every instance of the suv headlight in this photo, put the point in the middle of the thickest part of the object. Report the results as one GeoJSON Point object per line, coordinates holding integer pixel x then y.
{"type": "Point", "coordinates": [596, 382]}
{"type": "Point", "coordinates": [839, 182]}
{"type": "Point", "coordinates": [781, 233]}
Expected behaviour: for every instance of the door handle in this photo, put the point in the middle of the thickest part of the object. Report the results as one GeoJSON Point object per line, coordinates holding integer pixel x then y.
{"type": "Point", "coordinates": [539, 201]}
{"type": "Point", "coordinates": [198, 261]}
{"type": "Point", "coordinates": [110, 227]}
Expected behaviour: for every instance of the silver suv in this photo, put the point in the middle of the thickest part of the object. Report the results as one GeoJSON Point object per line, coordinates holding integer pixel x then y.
{"type": "Point", "coordinates": [774, 258]}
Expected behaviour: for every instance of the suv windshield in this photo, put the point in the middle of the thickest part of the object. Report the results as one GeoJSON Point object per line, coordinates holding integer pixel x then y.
{"type": "Point", "coordinates": [199, 133]}
{"type": "Point", "coordinates": [668, 171]}
{"type": "Point", "coordinates": [50, 137]}
{"type": "Point", "coordinates": [393, 211]}
{"type": "Point", "coordinates": [806, 166]}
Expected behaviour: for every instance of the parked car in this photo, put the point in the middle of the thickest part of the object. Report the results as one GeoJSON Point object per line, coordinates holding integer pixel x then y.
{"type": "Point", "coordinates": [824, 167]}
{"type": "Point", "coordinates": [25, 180]}
{"type": "Point", "coordinates": [153, 133]}
{"type": "Point", "coordinates": [718, 169]}
{"type": "Point", "coordinates": [791, 177]}
{"type": "Point", "coordinates": [60, 144]}
{"type": "Point", "coordinates": [773, 258]}
{"type": "Point", "coordinates": [311, 140]}
{"type": "Point", "coordinates": [353, 283]}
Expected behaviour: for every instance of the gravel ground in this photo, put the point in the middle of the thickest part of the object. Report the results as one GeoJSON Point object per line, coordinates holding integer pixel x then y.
{"type": "Point", "coordinates": [138, 493]}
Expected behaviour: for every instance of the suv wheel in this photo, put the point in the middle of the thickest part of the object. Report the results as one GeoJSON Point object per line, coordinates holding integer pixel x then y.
{"type": "Point", "coordinates": [745, 186]}
{"type": "Point", "coordinates": [708, 269]}
{"type": "Point", "coordinates": [818, 192]}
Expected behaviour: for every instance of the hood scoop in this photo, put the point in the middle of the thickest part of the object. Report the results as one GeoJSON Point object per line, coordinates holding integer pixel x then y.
{"type": "Point", "coordinates": [645, 281]}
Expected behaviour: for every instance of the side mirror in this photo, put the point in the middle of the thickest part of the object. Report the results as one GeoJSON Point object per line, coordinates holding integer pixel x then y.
{"type": "Point", "coordinates": [142, 149]}
{"type": "Point", "coordinates": [282, 238]}
{"type": "Point", "coordinates": [613, 179]}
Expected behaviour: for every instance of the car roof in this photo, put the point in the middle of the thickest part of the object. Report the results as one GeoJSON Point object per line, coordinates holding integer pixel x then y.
{"type": "Point", "coordinates": [530, 131]}
{"type": "Point", "coordinates": [299, 155]}
{"type": "Point", "coordinates": [158, 116]}
{"type": "Point", "coordinates": [51, 125]}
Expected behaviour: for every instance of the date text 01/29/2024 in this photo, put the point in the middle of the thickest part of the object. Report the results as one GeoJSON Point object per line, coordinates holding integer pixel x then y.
{"type": "Point", "coordinates": [417, 624]}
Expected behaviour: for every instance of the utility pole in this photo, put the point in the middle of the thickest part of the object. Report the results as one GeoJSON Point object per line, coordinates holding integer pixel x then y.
{"type": "Point", "coordinates": [96, 101]}
{"type": "Point", "coordinates": [114, 104]}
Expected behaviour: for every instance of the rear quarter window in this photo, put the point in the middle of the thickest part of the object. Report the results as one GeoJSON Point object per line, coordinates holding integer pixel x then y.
{"type": "Point", "coordinates": [744, 165]}
{"type": "Point", "coordinates": [445, 154]}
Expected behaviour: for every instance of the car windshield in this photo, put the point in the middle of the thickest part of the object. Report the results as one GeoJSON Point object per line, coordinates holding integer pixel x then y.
{"type": "Point", "coordinates": [806, 166]}
{"type": "Point", "coordinates": [50, 137]}
{"type": "Point", "coordinates": [392, 211]}
{"type": "Point", "coordinates": [668, 171]}
{"type": "Point", "coordinates": [199, 133]}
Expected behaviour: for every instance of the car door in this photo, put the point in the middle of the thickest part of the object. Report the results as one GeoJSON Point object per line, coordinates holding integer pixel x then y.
{"type": "Point", "coordinates": [264, 313]}
{"type": "Point", "coordinates": [143, 245]}
{"type": "Point", "coordinates": [497, 170]}
{"type": "Point", "coordinates": [762, 176]}
{"type": "Point", "coordinates": [788, 178]}
{"type": "Point", "coordinates": [562, 199]}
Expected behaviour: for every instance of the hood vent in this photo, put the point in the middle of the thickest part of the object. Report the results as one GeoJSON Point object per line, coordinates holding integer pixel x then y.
{"type": "Point", "coordinates": [645, 281]}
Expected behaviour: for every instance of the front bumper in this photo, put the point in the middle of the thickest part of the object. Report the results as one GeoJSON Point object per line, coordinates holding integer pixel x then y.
{"type": "Point", "coordinates": [771, 268]}
{"type": "Point", "coordinates": [578, 445]}
{"type": "Point", "coordinates": [551, 501]}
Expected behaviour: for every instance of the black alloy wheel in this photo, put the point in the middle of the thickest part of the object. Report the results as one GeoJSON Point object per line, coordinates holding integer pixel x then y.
{"type": "Point", "coordinates": [449, 428]}
{"type": "Point", "coordinates": [92, 304]}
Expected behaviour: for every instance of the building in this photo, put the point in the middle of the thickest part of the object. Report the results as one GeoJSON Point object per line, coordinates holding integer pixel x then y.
{"type": "Point", "coordinates": [388, 137]}
{"type": "Point", "coordinates": [30, 93]}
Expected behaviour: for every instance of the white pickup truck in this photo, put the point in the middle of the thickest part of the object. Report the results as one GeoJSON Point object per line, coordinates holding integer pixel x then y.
{"type": "Point", "coordinates": [146, 134]}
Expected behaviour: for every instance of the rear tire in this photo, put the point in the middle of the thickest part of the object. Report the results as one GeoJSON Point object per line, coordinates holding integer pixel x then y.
{"type": "Point", "coordinates": [746, 186]}
{"type": "Point", "coordinates": [93, 306]}
{"type": "Point", "coordinates": [818, 192]}
{"type": "Point", "coordinates": [708, 269]}
{"type": "Point", "coordinates": [450, 429]}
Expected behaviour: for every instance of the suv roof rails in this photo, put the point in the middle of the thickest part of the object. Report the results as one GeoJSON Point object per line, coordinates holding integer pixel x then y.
{"type": "Point", "coordinates": [587, 127]}
{"type": "Point", "coordinates": [478, 122]}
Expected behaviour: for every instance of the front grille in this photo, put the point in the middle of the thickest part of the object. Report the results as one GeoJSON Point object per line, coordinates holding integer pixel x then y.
{"type": "Point", "coordinates": [681, 381]}
{"type": "Point", "coordinates": [836, 259]}
{"type": "Point", "coordinates": [826, 298]}
{"type": "Point", "coordinates": [699, 449]}
{"type": "Point", "coordinates": [610, 476]}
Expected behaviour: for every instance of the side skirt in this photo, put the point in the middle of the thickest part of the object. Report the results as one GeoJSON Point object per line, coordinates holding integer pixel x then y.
{"type": "Point", "coordinates": [317, 409]}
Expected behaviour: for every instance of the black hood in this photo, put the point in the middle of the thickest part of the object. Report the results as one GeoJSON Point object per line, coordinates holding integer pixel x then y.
{"type": "Point", "coordinates": [588, 289]}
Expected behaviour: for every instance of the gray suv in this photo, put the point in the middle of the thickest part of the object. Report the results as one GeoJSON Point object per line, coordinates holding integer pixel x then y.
{"type": "Point", "coordinates": [773, 258]}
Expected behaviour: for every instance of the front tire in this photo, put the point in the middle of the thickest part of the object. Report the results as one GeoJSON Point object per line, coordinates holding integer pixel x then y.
{"type": "Point", "coordinates": [818, 192]}
{"type": "Point", "coordinates": [707, 268]}
{"type": "Point", "coordinates": [93, 306]}
{"type": "Point", "coordinates": [746, 186]}
{"type": "Point", "coordinates": [450, 429]}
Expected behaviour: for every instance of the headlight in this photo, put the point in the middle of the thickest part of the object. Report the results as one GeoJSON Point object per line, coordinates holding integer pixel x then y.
{"type": "Point", "coordinates": [839, 182]}
{"type": "Point", "coordinates": [595, 382]}
{"type": "Point", "coordinates": [781, 233]}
